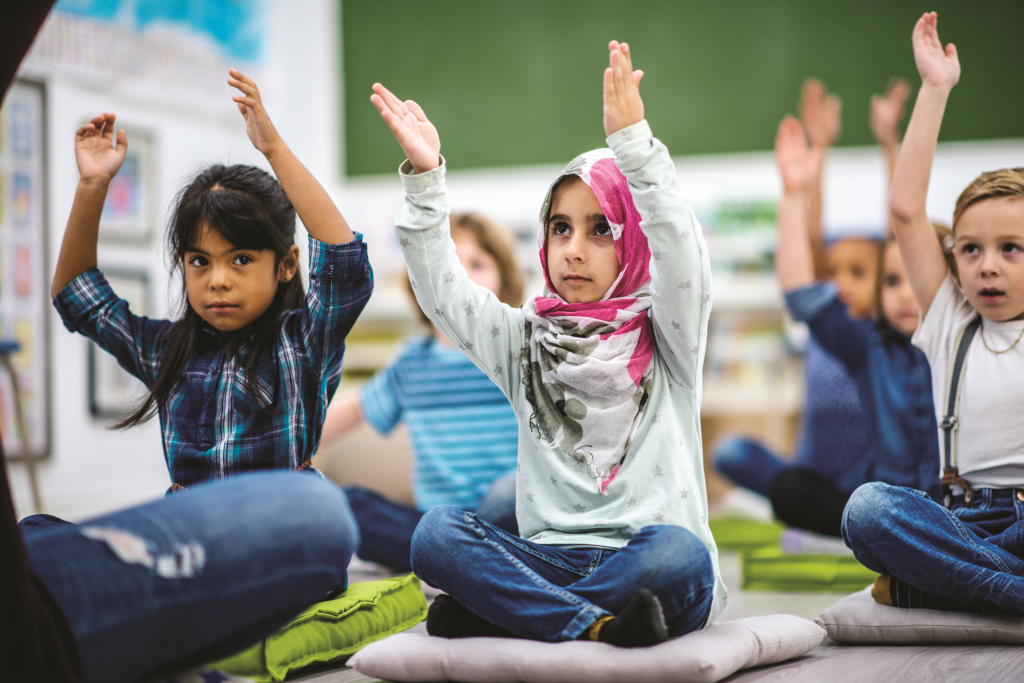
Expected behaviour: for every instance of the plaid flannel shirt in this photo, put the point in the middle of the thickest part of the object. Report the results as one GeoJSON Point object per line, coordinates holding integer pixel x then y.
{"type": "Point", "coordinates": [209, 427]}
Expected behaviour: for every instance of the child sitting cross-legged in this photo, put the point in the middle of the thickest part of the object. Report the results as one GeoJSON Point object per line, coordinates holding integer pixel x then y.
{"type": "Point", "coordinates": [966, 550]}
{"type": "Point", "coordinates": [604, 373]}
{"type": "Point", "coordinates": [893, 377]}
{"type": "Point", "coordinates": [463, 432]}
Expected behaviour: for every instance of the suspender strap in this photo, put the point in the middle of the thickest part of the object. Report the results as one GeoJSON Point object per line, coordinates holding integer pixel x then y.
{"type": "Point", "coordinates": [950, 473]}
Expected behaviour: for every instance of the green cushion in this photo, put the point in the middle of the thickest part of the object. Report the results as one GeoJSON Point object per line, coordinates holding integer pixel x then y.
{"type": "Point", "coordinates": [332, 630]}
{"type": "Point", "coordinates": [771, 569]}
{"type": "Point", "coordinates": [743, 533]}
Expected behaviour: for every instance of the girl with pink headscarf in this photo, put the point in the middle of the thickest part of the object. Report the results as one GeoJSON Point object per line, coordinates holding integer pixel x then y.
{"type": "Point", "coordinates": [604, 373]}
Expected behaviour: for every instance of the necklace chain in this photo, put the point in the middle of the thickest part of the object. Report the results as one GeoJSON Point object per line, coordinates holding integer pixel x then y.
{"type": "Point", "coordinates": [1019, 336]}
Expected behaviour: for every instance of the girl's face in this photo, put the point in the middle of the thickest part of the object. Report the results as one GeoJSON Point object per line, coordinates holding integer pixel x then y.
{"type": "Point", "coordinates": [479, 264]}
{"type": "Point", "coordinates": [853, 266]}
{"type": "Point", "coordinates": [989, 253]}
{"type": "Point", "coordinates": [582, 263]}
{"type": "Point", "coordinates": [230, 287]}
{"type": "Point", "coordinates": [899, 307]}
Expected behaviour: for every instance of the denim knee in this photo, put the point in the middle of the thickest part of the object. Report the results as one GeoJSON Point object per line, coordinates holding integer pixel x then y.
{"type": "Point", "coordinates": [329, 533]}
{"type": "Point", "coordinates": [675, 560]}
{"type": "Point", "coordinates": [867, 511]}
{"type": "Point", "coordinates": [730, 454]}
{"type": "Point", "coordinates": [435, 530]}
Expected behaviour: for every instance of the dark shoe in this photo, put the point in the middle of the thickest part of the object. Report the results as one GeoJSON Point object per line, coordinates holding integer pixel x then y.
{"type": "Point", "coordinates": [641, 624]}
{"type": "Point", "coordinates": [446, 618]}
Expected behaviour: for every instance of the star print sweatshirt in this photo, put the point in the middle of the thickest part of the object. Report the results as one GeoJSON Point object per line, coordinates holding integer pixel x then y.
{"type": "Point", "coordinates": [662, 478]}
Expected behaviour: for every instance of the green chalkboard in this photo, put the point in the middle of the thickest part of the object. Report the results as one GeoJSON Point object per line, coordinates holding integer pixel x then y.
{"type": "Point", "coordinates": [519, 81]}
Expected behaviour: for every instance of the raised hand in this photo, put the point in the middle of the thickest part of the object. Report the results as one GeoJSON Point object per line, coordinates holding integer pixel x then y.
{"type": "Point", "coordinates": [414, 132]}
{"type": "Point", "coordinates": [887, 111]}
{"type": "Point", "coordinates": [97, 156]}
{"type": "Point", "coordinates": [937, 67]}
{"type": "Point", "coordinates": [797, 163]}
{"type": "Point", "coordinates": [821, 113]}
{"type": "Point", "coordinates": [258, 127]}
{"type": "Point", "coordinates": [622, 103]}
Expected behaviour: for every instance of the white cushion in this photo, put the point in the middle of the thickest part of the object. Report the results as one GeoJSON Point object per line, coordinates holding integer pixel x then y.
{"type": "Point", "coordinates": [858, 618]}
{"type": "Point", "coordinates": [708, 655]}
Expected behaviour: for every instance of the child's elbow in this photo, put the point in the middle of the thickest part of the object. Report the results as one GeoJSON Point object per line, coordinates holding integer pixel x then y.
{"type": "Point", "coordinates": [902, 212]}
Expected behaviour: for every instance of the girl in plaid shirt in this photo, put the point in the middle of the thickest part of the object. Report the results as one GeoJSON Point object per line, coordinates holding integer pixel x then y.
{"type": "Point", "coordinates": [242, 380]}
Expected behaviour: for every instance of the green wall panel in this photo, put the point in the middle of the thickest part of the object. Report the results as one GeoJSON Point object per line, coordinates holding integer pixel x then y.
{"type": "Point", "coordinates": [519, 82]}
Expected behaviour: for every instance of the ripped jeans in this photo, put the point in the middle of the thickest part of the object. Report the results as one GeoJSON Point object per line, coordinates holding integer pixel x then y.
{"type": "Point", "coordinates": [196, 576]}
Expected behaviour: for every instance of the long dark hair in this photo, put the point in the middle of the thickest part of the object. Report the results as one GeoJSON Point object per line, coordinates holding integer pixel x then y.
{"type": "Point", "coordinates": [249, 209]}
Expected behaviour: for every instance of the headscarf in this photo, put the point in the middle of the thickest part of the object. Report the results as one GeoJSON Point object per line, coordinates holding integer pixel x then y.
{"type": "Point", "coordinates": [588, 369]}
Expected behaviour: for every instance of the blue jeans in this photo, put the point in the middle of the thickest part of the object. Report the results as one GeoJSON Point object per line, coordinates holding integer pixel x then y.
{"type": "Point", "coordinates": [553, 593]}
{"type": "Point", "coordinates": [196, 576]}
{"type": "Point", "coordinates": [386, 527]}
{"type": "Point", "coordinates": [747, 463]}
{"type": "Point", "coordinates": [971, 554]}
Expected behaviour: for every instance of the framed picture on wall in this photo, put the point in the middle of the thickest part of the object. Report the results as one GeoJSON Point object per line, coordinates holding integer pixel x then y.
{"type": "Point", "coordinates": [24, 281]}
{"type": "Point", "coordinates": [113, 393]}
{"type": "Point", "coordinates": [129, 209]}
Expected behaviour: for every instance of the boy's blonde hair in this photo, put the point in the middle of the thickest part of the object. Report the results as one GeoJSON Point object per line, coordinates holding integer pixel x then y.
{"type": "Point", "coordinates": [1006, 182]}
{"type": "Point", "coordinates": [497, 242]}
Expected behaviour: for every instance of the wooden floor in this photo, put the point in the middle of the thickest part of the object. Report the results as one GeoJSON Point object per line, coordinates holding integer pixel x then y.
{"type": "Point", "coordinates": [830, 662]}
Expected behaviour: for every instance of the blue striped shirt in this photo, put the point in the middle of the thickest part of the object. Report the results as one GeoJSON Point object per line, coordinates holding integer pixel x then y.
{"type": "Point", "coordinates": [210, 430]}
{"type": "Point", "coordinates": [463, 431]}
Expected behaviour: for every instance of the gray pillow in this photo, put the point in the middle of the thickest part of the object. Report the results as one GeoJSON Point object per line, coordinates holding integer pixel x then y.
{"type": "Point", "coordinates": [857, 618]}
{"type": "Point", "coordinates": [708, 655]}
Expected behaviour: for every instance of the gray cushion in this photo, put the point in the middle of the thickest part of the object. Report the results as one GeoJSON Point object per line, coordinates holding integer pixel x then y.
{"type": "Point", "coordinates": [858, 618]}
{"type": "Point", "coordinates": [707, 655]}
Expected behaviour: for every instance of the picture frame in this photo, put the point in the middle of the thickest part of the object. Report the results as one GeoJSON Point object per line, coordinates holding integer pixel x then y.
{"type": "Point", "coordinates": [129, 209]}
{"type": "Point", "coordinates": [113, 392]}
{"type": "Point", "coordinates": [25, 305]}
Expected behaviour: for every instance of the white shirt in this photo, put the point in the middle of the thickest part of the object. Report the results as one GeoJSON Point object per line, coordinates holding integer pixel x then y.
{"type": "Point", "coordinates": [990, 439]}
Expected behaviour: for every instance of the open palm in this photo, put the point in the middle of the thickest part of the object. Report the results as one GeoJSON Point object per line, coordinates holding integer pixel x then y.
{"type": "Point", "coordinates": [798, 164]}
{"type": "Point", "coordinates": [415, 133]}
{"type": "Point", "coordinates": [936, 66]}
{"type": "Point", "coordinates": [97, 156]}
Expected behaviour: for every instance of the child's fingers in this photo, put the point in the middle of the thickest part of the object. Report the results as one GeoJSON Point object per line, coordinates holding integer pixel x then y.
{"type": "Point", "coordinates": [122, 142]}
{"type": "Point", "coordinates": [238, 75]}
{"type": "Point", "coordinates": [242, 109]}
{"type": "Point", "coordinates": [249, 90]}
{"type": "Point", "coordinates": [108, 126]}
{"type": "Point", "coordinates": [247, 101]}
{"type": "Point", "coordinates": [416, 110]}
{"type": "Point", "coordinates": [627, 57]}
{"type": "Point", "coordinates": [396, 105]}
{"type": "Point", "coordinates": [951, 51]}
{"type": "Point", "coordinates": [637, 75]}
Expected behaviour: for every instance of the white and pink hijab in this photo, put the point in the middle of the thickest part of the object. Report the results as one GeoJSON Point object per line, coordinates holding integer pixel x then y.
{"type": "Point", "coordinates": [588, 374]}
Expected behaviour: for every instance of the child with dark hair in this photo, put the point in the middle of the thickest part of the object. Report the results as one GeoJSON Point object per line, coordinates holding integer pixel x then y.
{"type": "Point", "coordinates": [463, 432]}
{"type": "Point", "coordinates": [242, 380]}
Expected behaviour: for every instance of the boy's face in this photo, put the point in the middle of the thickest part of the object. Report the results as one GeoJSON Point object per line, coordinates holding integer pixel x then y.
{"type": "Point", "coordinates": [230, 287]}
{"type": "Point", "coordinates": [853, 266]}
{"type": "Point", "coordinates": [899, 307]}
{"type": "Point", "coordinates": [582, 263]}
{"type": "Point", "coordinates": [989, 253]}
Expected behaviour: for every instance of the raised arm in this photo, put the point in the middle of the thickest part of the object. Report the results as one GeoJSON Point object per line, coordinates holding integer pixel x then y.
{"type": "Point", "coordinates": [799, 166]}
{"type": "Point", "coordinates": [821, 113]}
{"type": "Point", "coordinates": [886, 113]}
{"type": "Point", "coordinates": [489, 332]}
{"type": "Point", "coordinates": [681, 288]}
{"type": "Point", "coordinates": [320, 216]}
{"type": "Point", "coordinates": [922, 254]}
{"type": "Point", "coordinates": [99, 160]}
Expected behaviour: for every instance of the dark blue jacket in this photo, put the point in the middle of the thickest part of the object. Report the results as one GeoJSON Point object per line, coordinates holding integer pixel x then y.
{"type": "Point", "coordinates": [894, 382]}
